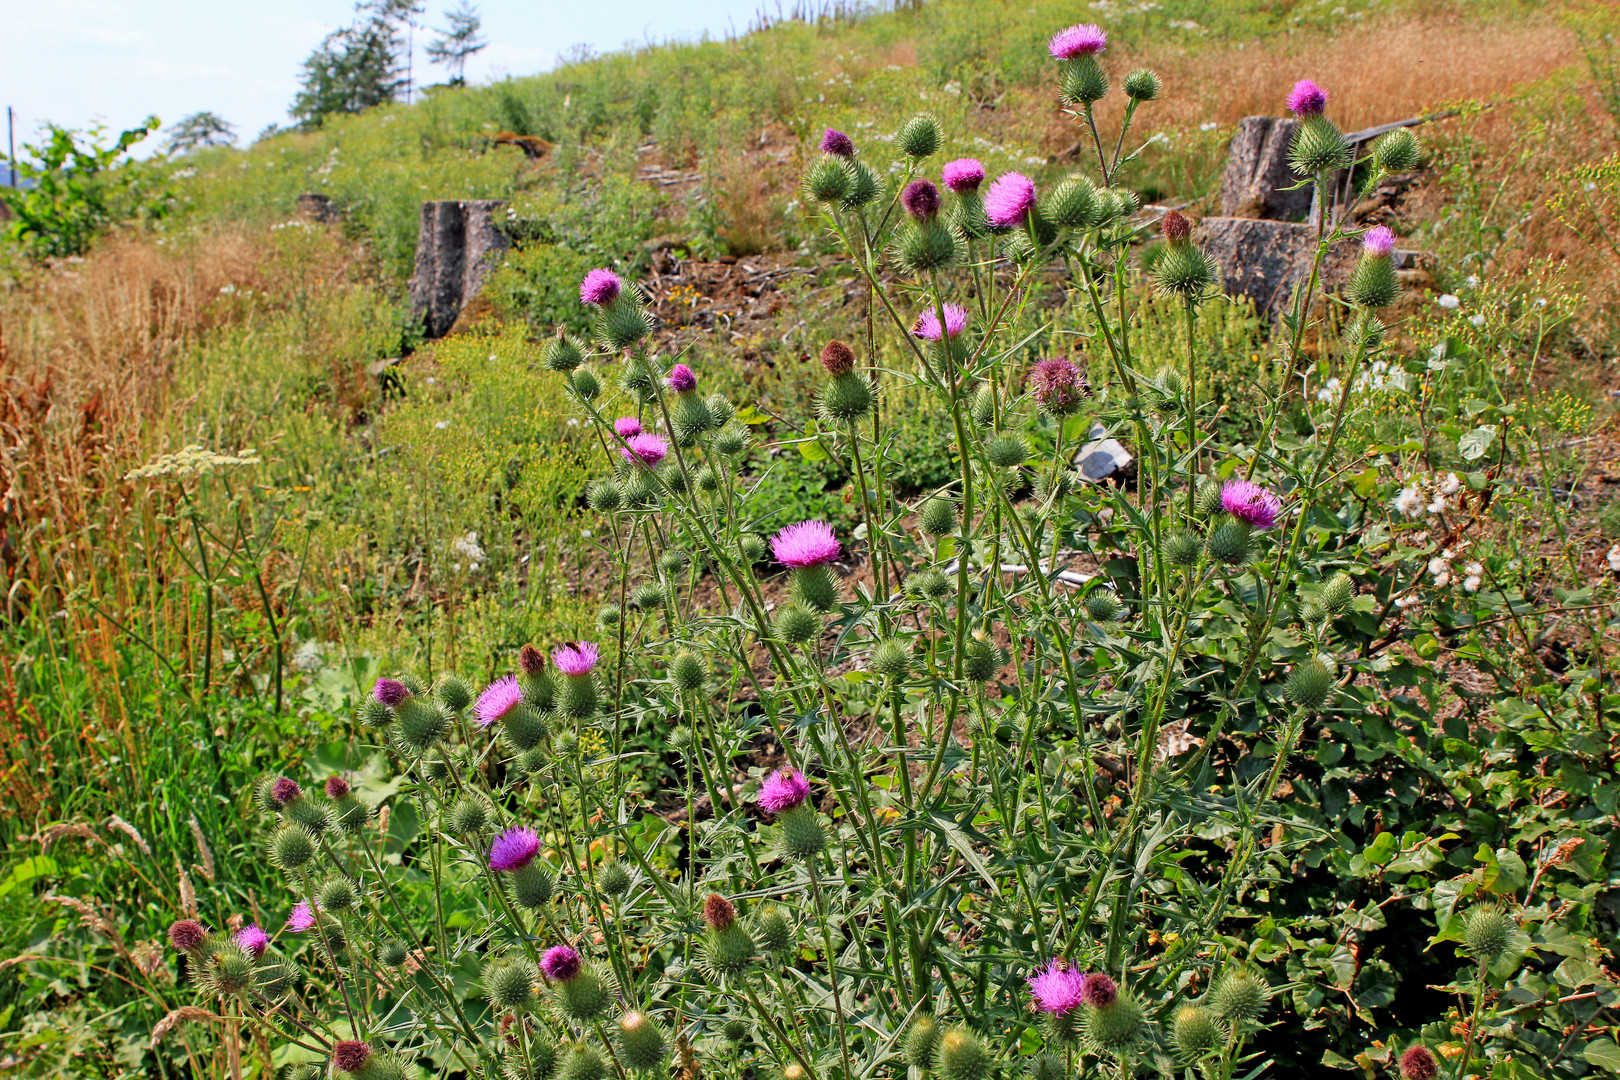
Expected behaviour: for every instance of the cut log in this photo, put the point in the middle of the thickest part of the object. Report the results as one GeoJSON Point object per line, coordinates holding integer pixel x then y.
{"type": "Point", "coordinates": [1267, 260]}
{"type": "Point", "coordinates": [1257, 175]}
{"type": "Point", "coordinates": [459, 243]}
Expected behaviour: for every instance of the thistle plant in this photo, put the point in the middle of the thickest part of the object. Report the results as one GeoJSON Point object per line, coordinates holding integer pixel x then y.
{"type": "Point", "coordinates": [929, 821]}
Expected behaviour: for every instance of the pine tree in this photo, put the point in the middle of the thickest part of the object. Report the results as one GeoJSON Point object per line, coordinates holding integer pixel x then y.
{"type": "Point", "coordinates": [454, 45]}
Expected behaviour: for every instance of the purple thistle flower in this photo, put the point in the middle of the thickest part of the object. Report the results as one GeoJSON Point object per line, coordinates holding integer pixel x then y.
{"type": "Point", "coordinates": [1101, 990]}
{"type": "Point", "coordinates": [646, 449]}
{"type": "Point", "coordinates": [963, 174]}
{"type": "Point", "coordinates": [1010, 198]}
{"type": "Point", "coordinates": [514, 849]}
{"type": "Point", "coordinates": [349, 1055]}
{"type": "Point", "coordinates": [1057, 988]}
{"type": "Point", "coordinates": [337, 787]}
{"type": "Point", "coordinates": [284, 790]}
{"type": "Point", "coordinates": [1418, 1063]}
{"type": "Point", "coordinates": [600, 287]}
{"type": "Point", "coordinates": [1251, 503]}
{"type": "Point", "coordinates": [927, 324]}
{"type": "Point", "coordinates": [626, 426]}
{"type": "Point", "coordinates": [783, 791]}
{"type": "Point", "coordinates": [1057, 384]}
{"type": "Point", "coordinates": [1082, 39]}
{"type": "Point", "coordinates": [1379, 242]}
{"type": "Point", "coordinates": [575, 658]}
{"type": "Point", "coordinates": [390, 692]}
{"type": "Point", "coordinates": [186, 934]}
{"type": "Point", "coordinates": [837, 143]}
{"type": "Point", "coordinates": [254, 940]}
{"type": "Point", "coordinates": [560, 963]}
{"type": "Point", "coordinates": [809, 543]}
{"type": "Point", "coordinates": [921, 200]}
{"type": "Point", "coordinates": [682, 379]}
{"type": "Point", "coordinates": [499, 698]}
{"type": "Point", "coordinates": [1307, 99]}
{"type": "Point", "coordinates": [301, 919]}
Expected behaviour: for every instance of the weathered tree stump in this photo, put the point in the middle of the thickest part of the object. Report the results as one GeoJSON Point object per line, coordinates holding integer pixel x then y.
{"type": "Point", "coordinates": [459, 243]}
{"type": "Point", "coordinates": [1257, 174]}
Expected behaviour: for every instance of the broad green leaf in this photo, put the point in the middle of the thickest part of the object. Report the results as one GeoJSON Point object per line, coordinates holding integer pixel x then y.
{"type": "Point", "coordinates": [1477, 443]}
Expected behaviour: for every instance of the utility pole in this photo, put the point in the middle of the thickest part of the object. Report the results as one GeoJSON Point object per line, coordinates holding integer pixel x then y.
{"type": "Point", "coordinates": [11, 148]}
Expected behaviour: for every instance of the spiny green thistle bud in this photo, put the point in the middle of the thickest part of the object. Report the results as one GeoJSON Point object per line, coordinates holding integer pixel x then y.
{"type": "Point", "coordinates": [419, 727]}
{"type": "Point", "coordinates": [1194, 1030]}
{"type": "Point", "coordinates": [292, 848]}
{"type": "Point", "coordinates": [730, 441]}
{"type": "Point", "coordinates": [707, 478]}
{"type": "Point", "coordinates": [622, 323]}
{"type": "Point", "coordinates": [1048, 1065]}
{"type": "Point", "coordinates": [687, 671]}
{"type": "Point", "coordinates": [1488, 931]}
{"type": "Point", "coordinates": [891, 658]}
{"type": "Point", "coordinates": [639, 379]}
{"type": "Point", "coordinates": [312, 814]}
{"type": "Point", "coordinates": [647, 596]}
{"type": "Point", "coordinates": [226, 969]}
{"type": "Point", "coordinates": [604, 496]}
{"type": "Point", "coordinates": [1072, 204]}
{"type": "Point", "coordinates": [1337, 592]}
{"type": "Point", "coordinates": [1184, 270]}
{"type": "Point", "coordinates": [524, 727]}
{"type": "Point", "coordinates": [1006, 450]}
{"type": "Point", "coordinates": [802, 834]}
{"type": "Point", "coordinates": [1373, 284]}
{"type": "Point", "coordinates": [1083, 81]}
{"type": "Point", "coordinates": [579, 697]}
{"type": "Point", "coordinates": [845, 399]}
{"type": "Point", "coordinates": [387, 1067]}
{"type": "Point", "coordinates": [1103, 606]}
{"type": "Point", "coordinates": [962, 1055]}
{"type": "Point", "coordinates": [614, 878]}
{"type": "Point", "coordinates": [930, 584]}
{"type": "Point", "coordinates": [1116, 1027]}
{"type": "Point", "coordinates": [922, 1041]}
{"type": "Point", "coordinates": [979, 661]}
{"type": "Point", "coordinates": [641, 1044]}
{"type": "Point", "coordinates": [583, 998]}
{"type": "Point", "coordinates": [751, 546]}
{"type": "Point", "coordinates": [562, 353]}
{"type": "Point", "coordinates": [532, 885]}
{"type": "Point", "coordinates": [673, 476]}
{"type": "Point", "coordinates": [638, 488]}
{"type": "Point", "coordinates": [1240, 995]}
{"type": "Point", "coordinates": [721, 409]}
{"type": "Point", "coordinates": [467, 816]}
{"type": "Point", "coordinates": [1056, 485]}
{"type": "Point", "coordinates": [814, 587]}
{"type": "Point", "coordinates": [302, 1072]}
{"type": "Point", "coordinates": [1182, 548]}
{"type": "Point", "coordinates": [827, 179]}
{"type": "Point", "coordinates": [1364, 333]}
{"type": "Point", "coordinates": [452, 693]}
{"type": "Point", "coordinates": [541, 1059]}
{"type": "Point", "coordinates": [681, 739]}
{"type": "Point", "coordinates": [1230, 542]}
{"type": "Point", "coordinates": [1319, 146]}
{"type": "Point", "coordinates": [983, 407]}
{"type": "Point", "coordinates": [586, 385]}
{"type": "Point", "coordinates": [1309, 685]}
{"type": "Point", "coordinates": [435, 766]}
{"type": "Point", "coordinates": [863, 186]}
{"type": "Point", "coordinates": [564, 743]}
{"type": "Point", "coordinates": [1170, 386]}
{"type": "Point", "coordinates": [393, 953]}
{"type": "Point", "coordinates": [608, 616]}
{"type": "Point", "coordinates": [275, 978]}
{"type": "Point", "coordinates": [535, 759]}
{"type": "Point", "coordinates": [920, 136]}
{"type": "Point", "coordinates": [1143, 85]}
{"type": "Point", "coordinates": [924, 246]}
{"type": "Point", "coordinates": [937, 516]}
{"type": "Point", "coordinates": [772, 930]}
{"type": "Point", "coordinates": [582, 1062]}
{"type": "Point", "coordinates": [336, 894]}
{"type": "Point", "coordinates": [735, 1030]}
{"type": "Point", "coordinates": [1208, 498]}
{"type": "Point", "coordinates": [728, 952]}
{"type": "Point", "coordinates": [329, 934]}
{"type": "Point", "coordinates": [1397, 151]}
{"type": "Point", "coordinates": [370, 713]}
{"type": "Point", "coordinates": [690, 417]}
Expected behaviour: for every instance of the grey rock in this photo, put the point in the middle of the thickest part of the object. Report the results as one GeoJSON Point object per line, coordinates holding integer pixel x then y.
{"type": "Point", "coordinates": [1257, 172]}
{"type": "Point", "coordinates": [1102, 457]}
{"type": "Point", "coordinates": [459, 243]}
{"type": "Point", "coordinates": [1267, 260]}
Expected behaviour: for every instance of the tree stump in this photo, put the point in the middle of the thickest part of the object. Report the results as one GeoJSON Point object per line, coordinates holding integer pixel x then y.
{"type": "Point", "coordinates": [1257, 172]}
{"type": "Point", "coordinates": [1267, 260]}
{"type": "Point", "coordinates": [317, 208]}
{"type": "Point", "coordinates": [459, 243]}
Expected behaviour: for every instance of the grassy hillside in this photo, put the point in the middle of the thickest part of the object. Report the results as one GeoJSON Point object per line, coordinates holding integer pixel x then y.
{"type": "Point", "coordinates": [224, 511]}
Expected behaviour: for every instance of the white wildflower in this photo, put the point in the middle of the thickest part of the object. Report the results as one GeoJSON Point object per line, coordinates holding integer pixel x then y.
{"type": "Point", "coordinates": [1614, 558]}
{"type": "Point", "coordinates": [1451, 484]}
{"type": "Point", "coordinates": [1449, 301]}
{"type": "Point", "coordinates": [441, 425]}
{"type": "Point", "coordinates": [1410, 501]}
{"type": "Point", "coordinates": [467, 546]}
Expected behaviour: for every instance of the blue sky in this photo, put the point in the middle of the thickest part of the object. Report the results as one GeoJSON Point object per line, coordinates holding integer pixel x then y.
{"type": "Point", "coordinates": [74, 61]}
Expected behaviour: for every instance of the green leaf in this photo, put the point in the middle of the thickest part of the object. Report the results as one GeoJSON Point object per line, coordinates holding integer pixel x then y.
{"type": "Point", "coordinates": [1604, 1054]}
{"type": "Point", "coordinates": [812, 451]}
{"type": "Point", "coordinates": [1477, 443]}
{"type": "Point", "coordinates": [751, 416]}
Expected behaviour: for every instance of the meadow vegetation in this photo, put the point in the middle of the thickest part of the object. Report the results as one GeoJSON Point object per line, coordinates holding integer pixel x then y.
{"type": "Point", "coordinates": [236, 488]}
